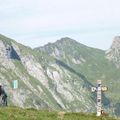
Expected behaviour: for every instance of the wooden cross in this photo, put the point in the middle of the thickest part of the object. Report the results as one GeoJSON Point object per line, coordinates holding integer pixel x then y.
{"type": "Point", "coordinates": [99, 89]}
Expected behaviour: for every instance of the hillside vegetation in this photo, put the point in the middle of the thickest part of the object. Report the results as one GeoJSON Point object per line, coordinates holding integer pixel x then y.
{"type": "Point", "coordinates": [12, 113]}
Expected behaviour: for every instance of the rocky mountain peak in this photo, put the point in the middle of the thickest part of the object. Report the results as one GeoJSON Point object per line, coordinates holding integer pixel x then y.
{"type": "Point", "coordinates": [116, 42]}
{"type": "Point", "coordinates": [66, 40]}
{"type": "Point", "coordinates": [60, 47]}
{"type": "Point", "coordinates": [113, 54]}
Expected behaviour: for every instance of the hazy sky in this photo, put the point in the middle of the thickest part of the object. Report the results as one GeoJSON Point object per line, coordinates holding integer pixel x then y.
{"type": "Point", "coordinates": [37, 22]}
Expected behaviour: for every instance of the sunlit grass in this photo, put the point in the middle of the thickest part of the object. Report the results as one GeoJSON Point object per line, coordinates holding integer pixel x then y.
{"type": "Point", "coordinates": [13, 113]}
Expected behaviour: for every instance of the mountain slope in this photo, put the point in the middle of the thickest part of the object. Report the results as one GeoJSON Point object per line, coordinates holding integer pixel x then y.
{"type": "Point", "coordinates": [92, 63]}
{"type": "Point", "coordinates": [58, 76]}
{"type": "Point", "coordinates": [42, 81]}
{"type": "Point", "coordinates": [26, 70]}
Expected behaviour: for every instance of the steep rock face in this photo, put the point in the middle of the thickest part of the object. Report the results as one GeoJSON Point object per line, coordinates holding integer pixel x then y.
{"type": "Point", "coordinates": [113, 54]}
{"type": "Point", "coordinates": [18, 62]}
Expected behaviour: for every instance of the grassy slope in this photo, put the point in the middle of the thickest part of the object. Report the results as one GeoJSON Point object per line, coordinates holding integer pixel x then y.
{"type": "Point", "coordinates": [32, 114]}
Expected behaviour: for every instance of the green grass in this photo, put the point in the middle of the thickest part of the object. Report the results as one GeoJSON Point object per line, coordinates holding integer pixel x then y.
{"type": "Point", "coordinates": [14, 113]}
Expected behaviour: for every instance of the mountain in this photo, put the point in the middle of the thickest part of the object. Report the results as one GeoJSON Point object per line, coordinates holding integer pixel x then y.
{"type": "Point", "coordinates": [59, 75]}
{"type": "Point", "coordinates": [93, 63]}
{"type": "Point", "coordinates": [113, 54]}
{"type": "Point", "coordinates": [43, 83]}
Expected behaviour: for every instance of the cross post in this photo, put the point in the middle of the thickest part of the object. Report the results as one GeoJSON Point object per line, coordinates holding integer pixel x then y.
{"type": "Point", "coordinates": [99, 89]}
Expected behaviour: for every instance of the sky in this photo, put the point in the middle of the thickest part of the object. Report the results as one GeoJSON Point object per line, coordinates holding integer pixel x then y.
{"type": "Point", "coordinates": [36, 22]}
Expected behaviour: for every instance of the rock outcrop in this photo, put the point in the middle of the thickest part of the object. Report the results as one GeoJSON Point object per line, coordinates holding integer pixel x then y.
{"type": "Point", "coordinates": [113, 54]}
